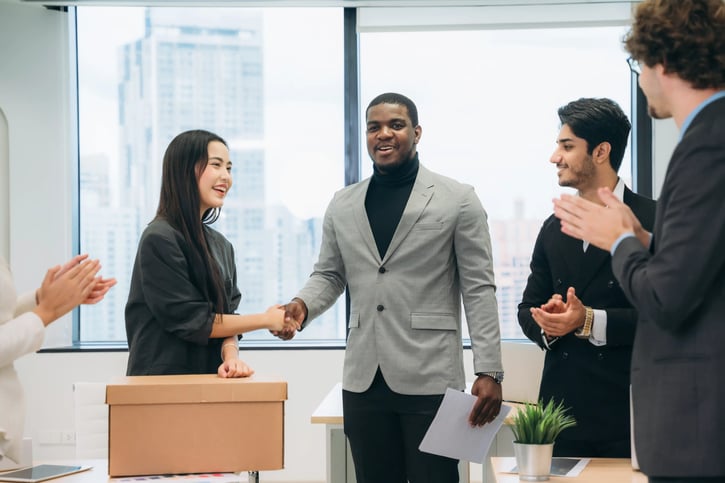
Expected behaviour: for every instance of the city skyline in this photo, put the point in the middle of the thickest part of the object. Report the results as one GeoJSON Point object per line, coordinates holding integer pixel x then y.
{"type": "Point", "coordinates": [279, 143]}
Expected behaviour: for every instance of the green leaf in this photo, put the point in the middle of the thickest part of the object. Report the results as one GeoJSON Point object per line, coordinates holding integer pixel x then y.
{"type": "Point", "coordinates": [541, 423]}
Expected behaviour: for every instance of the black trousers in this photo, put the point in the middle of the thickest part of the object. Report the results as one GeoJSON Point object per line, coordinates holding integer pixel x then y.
{"type": "Point", "coordinates": [384, 430]}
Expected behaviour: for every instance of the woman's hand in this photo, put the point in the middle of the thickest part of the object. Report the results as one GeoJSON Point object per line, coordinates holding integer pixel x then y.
{"type": "Point", "coordinates": [234, 368]}
{"type": "Point", "coordinates": [275, 317]}
{"type": "Point", "coordinates": [64, 288]}
{"type": "Point", "coordinates": [102, 286]}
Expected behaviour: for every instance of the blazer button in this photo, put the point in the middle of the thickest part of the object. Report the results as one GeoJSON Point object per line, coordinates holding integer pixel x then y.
{"type": "Point", "coordinates": [380, 308]}
{"type": "Point", "coordinates": [600, 356]}
{"type": "Point", "coordinates": [610, 284]}
{"type": "Point", "coordinates": [558, 282]}
{"type": "Point", "coordinates": [565, 355]}
{"type": "Point", "coordinates": [381, 270]}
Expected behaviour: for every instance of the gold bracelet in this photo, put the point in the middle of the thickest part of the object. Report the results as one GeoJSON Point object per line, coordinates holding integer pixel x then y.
{"type": "Point", "coordinates": [585, 330]}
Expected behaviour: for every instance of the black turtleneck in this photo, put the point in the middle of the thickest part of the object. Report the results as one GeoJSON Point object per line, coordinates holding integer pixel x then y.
{"type": "Point", "coordinates": [386, 199]}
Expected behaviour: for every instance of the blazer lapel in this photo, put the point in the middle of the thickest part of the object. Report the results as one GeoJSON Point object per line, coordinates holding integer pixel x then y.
{"type": "Point", "coordinates": [594, 258]}
{"type": "Point", "coordinates": [361, 218]}
{"type": "Point", "coordinates": [420, 195]}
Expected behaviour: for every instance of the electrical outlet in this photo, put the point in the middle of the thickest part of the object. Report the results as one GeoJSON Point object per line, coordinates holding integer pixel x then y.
{"type": "Point", "coordinates": [67, 437]}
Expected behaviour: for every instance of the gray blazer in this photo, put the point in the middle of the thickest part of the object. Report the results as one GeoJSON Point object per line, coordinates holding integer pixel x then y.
{"type": "Point", "coordinates": [405, 312]}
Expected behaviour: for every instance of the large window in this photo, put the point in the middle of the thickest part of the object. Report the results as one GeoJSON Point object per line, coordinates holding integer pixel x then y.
{"type": "Point", "coordinates": [487, 88]}
{"type": "Point", "coordinates": [487, 102]}
{"type": "Point", "coordinates": [267, 83]}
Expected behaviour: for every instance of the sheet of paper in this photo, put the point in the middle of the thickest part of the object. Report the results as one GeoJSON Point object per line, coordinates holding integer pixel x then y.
{"type": "Point", "coordinates": [451, 435]}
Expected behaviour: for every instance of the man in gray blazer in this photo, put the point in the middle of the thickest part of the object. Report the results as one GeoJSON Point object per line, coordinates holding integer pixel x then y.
{"type": "Point", "coordinates": [675, 276]}
{"type": "Point", "coordinates": [410, 245]}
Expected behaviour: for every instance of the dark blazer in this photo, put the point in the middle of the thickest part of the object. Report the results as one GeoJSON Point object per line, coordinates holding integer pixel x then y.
{"type": "Point", "coordinates": [678, 287]}
{"type": "Point", "coordinates": [168, 319]}
{"type": "Point", "coordinates": [592, 380]}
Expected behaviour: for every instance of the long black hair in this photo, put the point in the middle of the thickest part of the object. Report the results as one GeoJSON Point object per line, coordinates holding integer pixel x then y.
{"type": "Point", "coordinates": [185, 159]}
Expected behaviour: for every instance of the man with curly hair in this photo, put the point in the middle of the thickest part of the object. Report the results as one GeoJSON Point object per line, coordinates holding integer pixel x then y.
{"type": "Point", "coordinates": [674, 276]}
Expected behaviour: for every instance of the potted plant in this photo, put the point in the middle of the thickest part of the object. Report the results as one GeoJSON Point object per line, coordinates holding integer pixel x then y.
{"type": "Point", "coordinates": [535, 428]}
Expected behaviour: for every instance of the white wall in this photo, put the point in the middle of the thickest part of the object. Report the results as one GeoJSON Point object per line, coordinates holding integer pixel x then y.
{"type": "Point", "coordinates": [34, 86]}
{"type": "Point", "coordinates": [664, 138]}
{"type": "Point", "coordinates": [48, 380]}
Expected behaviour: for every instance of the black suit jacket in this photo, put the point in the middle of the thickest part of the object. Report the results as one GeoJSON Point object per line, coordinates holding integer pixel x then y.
{"type": "Point", "coordinates": [168, 317]}
{"type": "Point", "coordinates": [593, 381]}
{"type": "Point", "coordinates": [678, 287]}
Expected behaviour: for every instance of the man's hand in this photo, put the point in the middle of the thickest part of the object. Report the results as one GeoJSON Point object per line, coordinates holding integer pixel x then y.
{"type": "Point", "coordinates": [295, 312]}
{"type": "Point", "coordinates": [555, 305]}
{"type": "Point", "coordinates": [560, 323]}
{"type": "Point", "coordinates": [488, 404]}
{"type": "Point", "coordinates": [599, 225]}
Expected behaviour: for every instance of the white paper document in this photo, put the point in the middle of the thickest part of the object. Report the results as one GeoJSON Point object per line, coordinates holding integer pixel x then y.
{"type": "Point", "coordinates": [451, 435]}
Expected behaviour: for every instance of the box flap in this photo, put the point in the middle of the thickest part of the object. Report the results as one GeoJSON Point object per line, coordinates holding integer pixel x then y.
{"type": "Point", "coordinates": [194, 388]}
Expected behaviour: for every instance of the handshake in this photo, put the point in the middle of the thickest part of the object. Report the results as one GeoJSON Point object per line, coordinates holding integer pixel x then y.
{"type": "Point", "coordinates": [287, 319]}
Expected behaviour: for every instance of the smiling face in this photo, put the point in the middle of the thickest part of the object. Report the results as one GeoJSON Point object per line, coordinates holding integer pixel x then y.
{"type": "Point", "coordinates": [391, 136]}
{"type": "Point", "coordinates": [216, 179]}
{"type": "Point", "coordinates": [575, 166]}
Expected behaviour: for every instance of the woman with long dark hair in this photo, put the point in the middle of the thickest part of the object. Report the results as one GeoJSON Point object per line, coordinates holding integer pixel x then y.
{"type": "Point", "coordinates": [180, 312]}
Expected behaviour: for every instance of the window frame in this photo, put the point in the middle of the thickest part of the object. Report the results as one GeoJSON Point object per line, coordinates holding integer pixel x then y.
{"type": "Point", "coordinates": [641, 164]}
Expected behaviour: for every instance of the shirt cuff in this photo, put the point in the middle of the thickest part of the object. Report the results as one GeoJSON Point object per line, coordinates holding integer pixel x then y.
{"type": "Point", "coordinates": [616, 243]}
{"type": "Point", "coordinates": [547, 343]}
{"type": "Point", "coordinates": [598, 336]}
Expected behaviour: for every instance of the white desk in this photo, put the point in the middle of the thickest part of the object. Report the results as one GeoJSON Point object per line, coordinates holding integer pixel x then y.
{"type": "Point", "coordinates": [599, 470]}
{"type": "Point", "coordinates": [340, 468]}
{"type": "Point", "coordinates": [99, 474]}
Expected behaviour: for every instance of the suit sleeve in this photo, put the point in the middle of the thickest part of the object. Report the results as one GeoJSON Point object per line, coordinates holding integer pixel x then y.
{"type": "Point", "coordinates": [328, 280]}
{"type": "Point", "coordinates": [539, 289]}
{"type": "Point", "coordinates": [621, 325]}
{"type": "Point", "coordinates": [622, 321]}
{"type": "Point", "coordinates": [173, 299]}
{"type": "Point", "coordinates": [472, 245]}
{"type": "Point", "coordinates": [667, 287]}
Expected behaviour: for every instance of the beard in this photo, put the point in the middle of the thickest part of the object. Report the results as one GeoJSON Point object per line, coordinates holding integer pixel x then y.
{"type": "Point", "coordinates": [579, 175]}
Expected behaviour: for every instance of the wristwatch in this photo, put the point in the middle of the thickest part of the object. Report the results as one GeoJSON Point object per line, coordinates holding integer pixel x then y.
{"type": "Point", "coordinates": [585, 330]}
{"type": "Point", "coordinates": [497, 376]}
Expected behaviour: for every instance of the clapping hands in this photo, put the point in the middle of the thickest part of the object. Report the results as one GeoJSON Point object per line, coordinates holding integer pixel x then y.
{"type": "Point", "coordinates": [67, 286]}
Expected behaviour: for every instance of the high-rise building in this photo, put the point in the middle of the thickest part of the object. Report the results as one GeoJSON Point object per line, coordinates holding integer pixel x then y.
{"type": "Point", "coordinates": [194, 69]}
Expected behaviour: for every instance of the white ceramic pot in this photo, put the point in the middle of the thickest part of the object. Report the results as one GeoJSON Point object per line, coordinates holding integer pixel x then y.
{"type": "Point", "coordinates": [533, 461]}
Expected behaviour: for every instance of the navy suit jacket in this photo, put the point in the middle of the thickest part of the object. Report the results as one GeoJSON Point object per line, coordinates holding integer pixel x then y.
{"type": "Point", "coordinates": [591, 380]}
{"type": "Point", "coordinates": [678, 287]}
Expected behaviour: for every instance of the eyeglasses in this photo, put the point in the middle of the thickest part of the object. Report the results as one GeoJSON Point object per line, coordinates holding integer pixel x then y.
{"type": "Point", "coordinates": [634, 65]}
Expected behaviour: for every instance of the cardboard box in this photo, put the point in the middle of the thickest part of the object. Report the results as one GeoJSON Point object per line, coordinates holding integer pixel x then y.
{"type": "Point", "coordinates": [195, 424]}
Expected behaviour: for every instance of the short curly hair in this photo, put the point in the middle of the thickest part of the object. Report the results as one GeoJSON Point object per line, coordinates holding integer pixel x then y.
{"type": "Point", "coordinates": [686, 36]}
